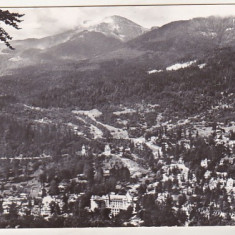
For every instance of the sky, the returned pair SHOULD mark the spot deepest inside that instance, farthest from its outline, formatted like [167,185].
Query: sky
[41,22]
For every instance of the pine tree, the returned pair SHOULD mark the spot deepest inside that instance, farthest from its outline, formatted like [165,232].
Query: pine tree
[10,19]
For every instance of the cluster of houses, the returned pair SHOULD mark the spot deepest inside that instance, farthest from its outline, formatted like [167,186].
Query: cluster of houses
[39,206]
[21,202]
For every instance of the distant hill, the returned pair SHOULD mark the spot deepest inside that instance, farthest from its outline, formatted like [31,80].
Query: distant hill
[188,39]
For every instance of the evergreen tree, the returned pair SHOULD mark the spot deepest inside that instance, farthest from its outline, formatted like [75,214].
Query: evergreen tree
[10,19]
[54,190]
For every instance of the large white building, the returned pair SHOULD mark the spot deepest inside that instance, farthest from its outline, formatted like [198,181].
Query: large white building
[112,201]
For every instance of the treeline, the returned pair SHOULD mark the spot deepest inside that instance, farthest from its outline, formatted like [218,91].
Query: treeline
[29,139]
[185,91]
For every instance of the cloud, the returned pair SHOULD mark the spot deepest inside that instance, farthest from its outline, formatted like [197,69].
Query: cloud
[41,22]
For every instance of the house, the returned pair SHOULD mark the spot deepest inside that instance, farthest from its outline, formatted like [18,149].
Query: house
[207,174]
[83,152]
[35,191]
[204,163]
[106,173]
[112,201]
[62,187]
[107,150]
[73,198]
[36,210]
[46,210]
[229,185]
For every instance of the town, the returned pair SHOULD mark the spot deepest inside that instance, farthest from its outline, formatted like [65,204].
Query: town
[186,171]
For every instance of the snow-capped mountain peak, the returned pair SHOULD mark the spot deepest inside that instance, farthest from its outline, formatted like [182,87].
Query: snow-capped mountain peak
[115,26]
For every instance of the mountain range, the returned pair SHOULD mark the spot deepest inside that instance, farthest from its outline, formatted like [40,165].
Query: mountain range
[116,37]
[87,40]
[111,52]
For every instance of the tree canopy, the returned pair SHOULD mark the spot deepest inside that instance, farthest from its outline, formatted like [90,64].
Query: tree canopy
[10,19]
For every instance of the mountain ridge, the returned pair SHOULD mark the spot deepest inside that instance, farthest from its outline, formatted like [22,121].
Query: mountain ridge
[178,41]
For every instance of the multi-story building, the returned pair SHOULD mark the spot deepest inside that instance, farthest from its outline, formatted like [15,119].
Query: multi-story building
[112,201]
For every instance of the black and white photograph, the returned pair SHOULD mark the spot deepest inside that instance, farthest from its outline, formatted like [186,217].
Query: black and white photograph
[117,116]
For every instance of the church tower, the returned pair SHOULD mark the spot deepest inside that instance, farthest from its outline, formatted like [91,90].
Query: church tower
[83,152]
